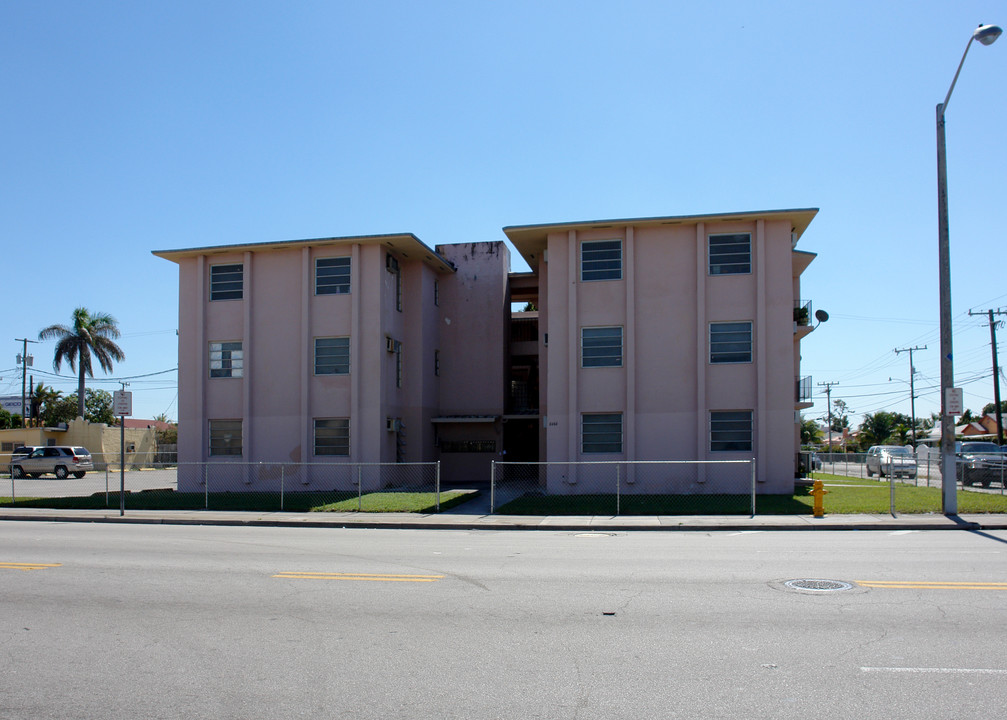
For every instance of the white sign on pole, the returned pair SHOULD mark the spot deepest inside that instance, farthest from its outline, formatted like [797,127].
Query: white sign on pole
[954,401]
[122,402]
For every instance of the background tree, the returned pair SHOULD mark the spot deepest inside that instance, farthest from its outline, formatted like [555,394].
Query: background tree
[840,418]
[97,409]
[990,408]
[877,428]
[90,334]
[809,432]
[8,421]
[42,396]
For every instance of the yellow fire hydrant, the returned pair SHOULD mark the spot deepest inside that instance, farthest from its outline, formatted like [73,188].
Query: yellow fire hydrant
[819,492]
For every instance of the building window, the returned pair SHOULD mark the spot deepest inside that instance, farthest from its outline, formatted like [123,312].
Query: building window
[601,433]
[437,293]
[731,342]
[226,360]
[332,356]
[730,254]
[226,282]
[332,436]
[225,437]
[332,276]
[731,431]
[601,260]
[7,447]
[437,363]
[601,347]
[392,266]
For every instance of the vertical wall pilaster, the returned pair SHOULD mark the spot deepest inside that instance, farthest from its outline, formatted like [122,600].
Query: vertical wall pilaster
[629,352]
[306,352]
[702,412]
[761,418]
[248,373]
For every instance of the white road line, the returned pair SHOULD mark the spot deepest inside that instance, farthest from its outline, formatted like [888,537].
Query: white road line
[935,671]
[902,532]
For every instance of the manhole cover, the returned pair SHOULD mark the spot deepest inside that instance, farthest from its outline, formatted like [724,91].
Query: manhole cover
[818,585]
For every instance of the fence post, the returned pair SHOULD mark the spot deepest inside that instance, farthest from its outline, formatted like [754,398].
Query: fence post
[360,496]
[282,468]
[437,486]
[618,477]
[753,487]
[12,498]
[206,486]
[493,478]
[891,482]
[106,485]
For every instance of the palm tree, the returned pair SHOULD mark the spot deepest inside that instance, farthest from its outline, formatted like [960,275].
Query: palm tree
[90,333]
[42,398]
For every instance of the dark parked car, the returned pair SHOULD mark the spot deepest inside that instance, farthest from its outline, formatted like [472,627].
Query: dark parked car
[980,462]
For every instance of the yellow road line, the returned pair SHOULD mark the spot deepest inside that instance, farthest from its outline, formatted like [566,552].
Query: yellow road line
[936,585]
[28,566]
[371,577]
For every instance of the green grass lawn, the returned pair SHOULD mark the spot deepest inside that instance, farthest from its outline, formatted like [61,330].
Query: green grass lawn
[845,496]
[405,502]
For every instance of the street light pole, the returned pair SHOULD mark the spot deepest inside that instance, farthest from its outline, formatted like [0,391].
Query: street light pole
[986,35]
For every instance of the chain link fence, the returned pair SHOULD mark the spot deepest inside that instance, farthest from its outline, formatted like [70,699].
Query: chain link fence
[165,484]
[970,475]
[678,487]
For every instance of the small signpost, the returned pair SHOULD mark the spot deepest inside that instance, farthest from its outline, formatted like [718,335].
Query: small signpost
[954,398]
[122,405]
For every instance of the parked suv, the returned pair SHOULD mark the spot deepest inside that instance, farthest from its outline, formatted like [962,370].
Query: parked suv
[980,462]
[896,459]
[19,453]
[60,461]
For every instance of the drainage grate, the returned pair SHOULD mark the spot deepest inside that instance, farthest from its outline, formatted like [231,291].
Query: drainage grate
[818,585]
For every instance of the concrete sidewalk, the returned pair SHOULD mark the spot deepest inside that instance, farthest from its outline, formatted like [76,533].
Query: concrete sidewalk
[461,521]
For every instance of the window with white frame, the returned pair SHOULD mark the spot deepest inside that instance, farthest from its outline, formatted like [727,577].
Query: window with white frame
[601,433]
[226,360]
[601,260]
[730,254]
[332,356]
[332,436]
[731,431]
[601,347]
[225,437]
[227,282]
[731,342]
[332,276]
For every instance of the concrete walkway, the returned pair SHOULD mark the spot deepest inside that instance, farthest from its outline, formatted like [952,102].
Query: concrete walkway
[470,521]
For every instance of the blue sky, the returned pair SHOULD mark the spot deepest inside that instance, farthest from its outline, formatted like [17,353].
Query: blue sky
[132,127]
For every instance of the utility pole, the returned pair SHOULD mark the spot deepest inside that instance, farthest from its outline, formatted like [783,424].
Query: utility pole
[912,386]
[828,396]
[25,361]
[996,368]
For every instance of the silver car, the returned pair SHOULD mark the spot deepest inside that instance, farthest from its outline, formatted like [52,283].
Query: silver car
[60,461]
[894,459]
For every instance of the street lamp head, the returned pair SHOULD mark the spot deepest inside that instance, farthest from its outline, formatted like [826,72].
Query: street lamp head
[986,34]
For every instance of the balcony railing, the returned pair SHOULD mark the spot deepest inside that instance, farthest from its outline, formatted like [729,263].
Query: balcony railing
[803,393]
[802,313]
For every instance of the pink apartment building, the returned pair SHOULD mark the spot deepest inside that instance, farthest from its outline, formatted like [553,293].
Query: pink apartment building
[671,338]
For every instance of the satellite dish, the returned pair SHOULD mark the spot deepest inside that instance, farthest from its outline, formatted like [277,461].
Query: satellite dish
[821,316]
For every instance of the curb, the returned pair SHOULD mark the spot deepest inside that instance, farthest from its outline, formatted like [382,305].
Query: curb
[536,523]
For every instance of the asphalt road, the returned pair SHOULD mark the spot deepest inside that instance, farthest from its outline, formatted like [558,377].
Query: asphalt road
[230,622]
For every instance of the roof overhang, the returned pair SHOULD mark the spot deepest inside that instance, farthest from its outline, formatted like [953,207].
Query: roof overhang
[405,245]
[801,260]
[530,240]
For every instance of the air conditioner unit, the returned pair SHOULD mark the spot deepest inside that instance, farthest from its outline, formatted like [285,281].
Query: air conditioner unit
[391,264]
[389,345]
[392,424]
